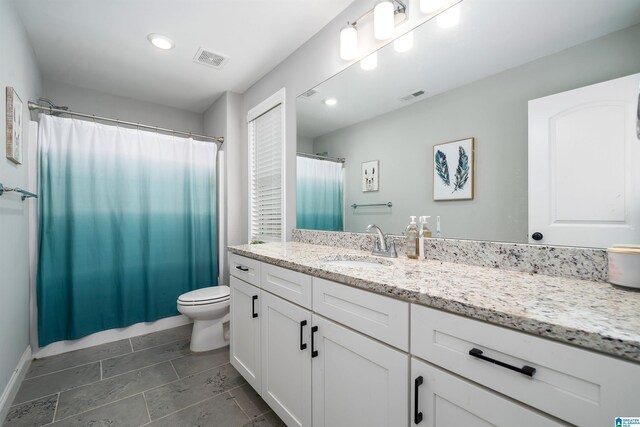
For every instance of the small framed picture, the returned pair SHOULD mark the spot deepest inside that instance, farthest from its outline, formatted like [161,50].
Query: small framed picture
[453,170]
[14,126]
[370,176]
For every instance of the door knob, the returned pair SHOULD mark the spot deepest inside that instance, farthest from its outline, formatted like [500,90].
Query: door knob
[537,236]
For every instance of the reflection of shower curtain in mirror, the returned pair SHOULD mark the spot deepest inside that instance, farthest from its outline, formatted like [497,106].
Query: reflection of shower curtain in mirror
[127,224]
[320,195]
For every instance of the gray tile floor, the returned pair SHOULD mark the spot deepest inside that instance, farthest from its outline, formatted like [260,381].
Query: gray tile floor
[149,380]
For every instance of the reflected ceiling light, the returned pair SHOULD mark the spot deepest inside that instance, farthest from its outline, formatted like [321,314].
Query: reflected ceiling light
[386,14]
[450,17]
[404,43]
[160,41]
[369,62]
[348,42]
[430,6]
[330,101]
[383,20]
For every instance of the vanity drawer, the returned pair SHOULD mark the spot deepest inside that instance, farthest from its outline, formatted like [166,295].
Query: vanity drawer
[245,268]
[380,317]
[578,386]
[288,284]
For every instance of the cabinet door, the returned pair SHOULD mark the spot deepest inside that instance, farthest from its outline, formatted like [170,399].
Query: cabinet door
[447,400]
[245,331]
[357,381]
[286,359]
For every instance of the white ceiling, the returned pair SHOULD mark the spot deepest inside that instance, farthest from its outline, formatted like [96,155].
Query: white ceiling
[492,36]
[102,44]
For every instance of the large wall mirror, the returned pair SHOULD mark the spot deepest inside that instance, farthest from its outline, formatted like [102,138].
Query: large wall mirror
[518,124]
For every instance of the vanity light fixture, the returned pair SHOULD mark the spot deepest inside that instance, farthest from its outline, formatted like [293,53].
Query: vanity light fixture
[369,62]
[330,102]
[450,17]
[430,6]
[403,43]
[386,14]
[160,41]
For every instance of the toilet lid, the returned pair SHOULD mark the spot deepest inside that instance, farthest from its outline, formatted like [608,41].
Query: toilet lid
[209,294]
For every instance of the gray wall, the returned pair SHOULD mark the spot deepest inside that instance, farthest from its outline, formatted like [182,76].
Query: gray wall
[494,111]
[223,119]
[315,61]
[118,107]
[17,69]
[305,145]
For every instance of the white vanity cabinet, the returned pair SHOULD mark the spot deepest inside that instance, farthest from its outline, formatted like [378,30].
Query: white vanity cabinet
[286,359]
[441,399]
[245,331]
[356,381]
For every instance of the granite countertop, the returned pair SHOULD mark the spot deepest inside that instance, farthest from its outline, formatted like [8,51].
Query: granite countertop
[589,314]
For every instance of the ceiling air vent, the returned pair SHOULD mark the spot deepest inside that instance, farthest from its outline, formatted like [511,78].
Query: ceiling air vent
[309,93]
[210,59]
[412,96]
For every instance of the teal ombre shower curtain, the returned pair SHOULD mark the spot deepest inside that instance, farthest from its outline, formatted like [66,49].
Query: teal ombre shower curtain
[319,197]
[127,224]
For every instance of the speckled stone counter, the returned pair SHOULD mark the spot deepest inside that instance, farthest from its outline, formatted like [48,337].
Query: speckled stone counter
[589,314]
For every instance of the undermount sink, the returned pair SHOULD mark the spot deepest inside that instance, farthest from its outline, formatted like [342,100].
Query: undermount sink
[359,262]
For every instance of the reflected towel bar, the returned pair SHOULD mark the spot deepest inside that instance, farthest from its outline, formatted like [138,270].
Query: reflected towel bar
[388,204]
[25,194]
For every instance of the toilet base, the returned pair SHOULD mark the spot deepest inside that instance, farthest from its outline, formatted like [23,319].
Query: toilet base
[208,335]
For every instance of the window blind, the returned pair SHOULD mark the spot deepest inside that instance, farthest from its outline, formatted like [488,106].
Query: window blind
[265,134]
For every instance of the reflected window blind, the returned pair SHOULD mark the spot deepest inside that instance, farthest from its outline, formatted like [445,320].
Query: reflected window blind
[266,175]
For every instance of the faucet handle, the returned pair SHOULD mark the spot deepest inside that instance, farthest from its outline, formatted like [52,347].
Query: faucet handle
[392,250]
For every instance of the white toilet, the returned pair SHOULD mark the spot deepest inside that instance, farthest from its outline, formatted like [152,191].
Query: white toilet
[208,307]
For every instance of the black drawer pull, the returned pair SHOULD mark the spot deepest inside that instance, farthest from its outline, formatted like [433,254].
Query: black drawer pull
[525,370]
[314,352]
[303,345]
[417,415]
[242,268]
[253,306]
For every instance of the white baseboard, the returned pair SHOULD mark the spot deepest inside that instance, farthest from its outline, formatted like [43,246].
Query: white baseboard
[10,391]
[110,335]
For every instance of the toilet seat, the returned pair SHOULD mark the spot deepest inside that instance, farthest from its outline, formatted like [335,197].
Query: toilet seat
[205,296]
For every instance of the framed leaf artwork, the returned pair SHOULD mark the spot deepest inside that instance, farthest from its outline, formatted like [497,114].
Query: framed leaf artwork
[453,170]
[14,126]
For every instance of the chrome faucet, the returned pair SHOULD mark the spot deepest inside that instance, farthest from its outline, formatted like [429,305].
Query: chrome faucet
[380,248]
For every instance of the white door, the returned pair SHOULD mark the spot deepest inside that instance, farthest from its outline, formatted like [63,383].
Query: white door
[584,179]
[356,381]
[446,400]
[286,359]
[245,331]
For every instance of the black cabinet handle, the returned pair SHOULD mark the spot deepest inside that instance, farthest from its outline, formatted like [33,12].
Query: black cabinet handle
[525,370]
[417,415]
[537,236]
[314,352]
[253,306]
[303,345]
[242,268]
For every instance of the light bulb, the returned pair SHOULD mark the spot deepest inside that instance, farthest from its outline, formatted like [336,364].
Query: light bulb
[330,101]
[450,17]
[430,6]
[348,42]
[404,43]
[383,20]
[369,62]
[160,41]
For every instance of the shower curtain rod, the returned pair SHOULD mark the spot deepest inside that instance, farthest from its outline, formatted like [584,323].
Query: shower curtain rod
[34,106]
[317,156]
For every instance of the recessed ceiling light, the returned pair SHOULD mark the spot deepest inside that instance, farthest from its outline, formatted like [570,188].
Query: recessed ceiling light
[330,101]
[160,41]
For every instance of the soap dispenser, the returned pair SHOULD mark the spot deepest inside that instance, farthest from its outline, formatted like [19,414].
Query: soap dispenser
[411,240]
[424,232]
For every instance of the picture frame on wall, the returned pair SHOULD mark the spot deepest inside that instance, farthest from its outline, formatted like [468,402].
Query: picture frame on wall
[14,126]
[454,170]
[370,176]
